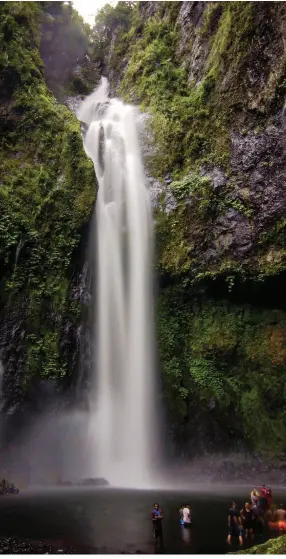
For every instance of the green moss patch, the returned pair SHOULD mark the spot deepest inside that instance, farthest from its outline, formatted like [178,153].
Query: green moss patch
[46,196]
[275,546]
[233,353]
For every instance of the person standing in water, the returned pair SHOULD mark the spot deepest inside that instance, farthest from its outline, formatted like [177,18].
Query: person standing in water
[185,522]
[257,510]
[266,502]
[181,515]
[247,519]
[234,524]
[263,500]
[269,500]
[254,496]
[157,517]
[279,520]
[187,516]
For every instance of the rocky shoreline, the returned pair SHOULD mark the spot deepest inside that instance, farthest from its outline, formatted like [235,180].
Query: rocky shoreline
[9,546]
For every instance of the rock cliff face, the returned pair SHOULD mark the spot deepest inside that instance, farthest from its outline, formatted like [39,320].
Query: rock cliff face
[46,197]
[211,76]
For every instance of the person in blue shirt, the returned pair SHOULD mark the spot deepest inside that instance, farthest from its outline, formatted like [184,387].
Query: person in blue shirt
[181,515]
[157,517]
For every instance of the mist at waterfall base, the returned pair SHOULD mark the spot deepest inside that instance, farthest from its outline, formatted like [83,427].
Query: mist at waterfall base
[123,424]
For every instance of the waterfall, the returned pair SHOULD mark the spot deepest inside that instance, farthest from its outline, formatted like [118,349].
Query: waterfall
[123,419]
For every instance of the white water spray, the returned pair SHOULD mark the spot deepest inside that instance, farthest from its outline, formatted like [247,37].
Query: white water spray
[123,419]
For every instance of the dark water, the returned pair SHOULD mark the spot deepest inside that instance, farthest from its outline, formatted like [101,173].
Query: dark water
[118,521]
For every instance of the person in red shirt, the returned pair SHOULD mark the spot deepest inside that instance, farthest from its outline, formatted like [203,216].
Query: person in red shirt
[269,496]
[266,499]
[263,498]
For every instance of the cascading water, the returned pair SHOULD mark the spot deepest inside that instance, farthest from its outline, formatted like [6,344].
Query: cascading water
[123,419]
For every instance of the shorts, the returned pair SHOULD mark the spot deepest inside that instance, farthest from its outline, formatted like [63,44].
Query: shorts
[158,533]
[235,531]
[187,524]
[248,525]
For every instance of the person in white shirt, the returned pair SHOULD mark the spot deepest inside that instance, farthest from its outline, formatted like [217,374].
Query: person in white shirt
[187,516]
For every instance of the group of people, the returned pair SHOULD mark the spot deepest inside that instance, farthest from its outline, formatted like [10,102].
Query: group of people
[7,488]
[157,517]
[242,524]
[260,509]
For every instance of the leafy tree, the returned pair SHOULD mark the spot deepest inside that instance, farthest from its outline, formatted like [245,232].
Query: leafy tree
[110,19]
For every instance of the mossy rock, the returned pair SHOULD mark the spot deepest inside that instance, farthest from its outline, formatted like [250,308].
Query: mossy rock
[275,546]
[47,194]
[229,354]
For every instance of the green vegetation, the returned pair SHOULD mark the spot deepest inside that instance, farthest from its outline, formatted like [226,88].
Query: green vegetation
[47,193]
[193,109]
[156,78]
[192,114]
[110,20]
[234,353]
[184,235]
[176,248]
[275,546]
[276,234]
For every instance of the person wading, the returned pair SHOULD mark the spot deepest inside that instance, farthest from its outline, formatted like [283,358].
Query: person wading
[181,515]
[269,500]
[187,516]
[254,496]
[247,519]
[263,499]
[157,517]
[234,524]
[279,520]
